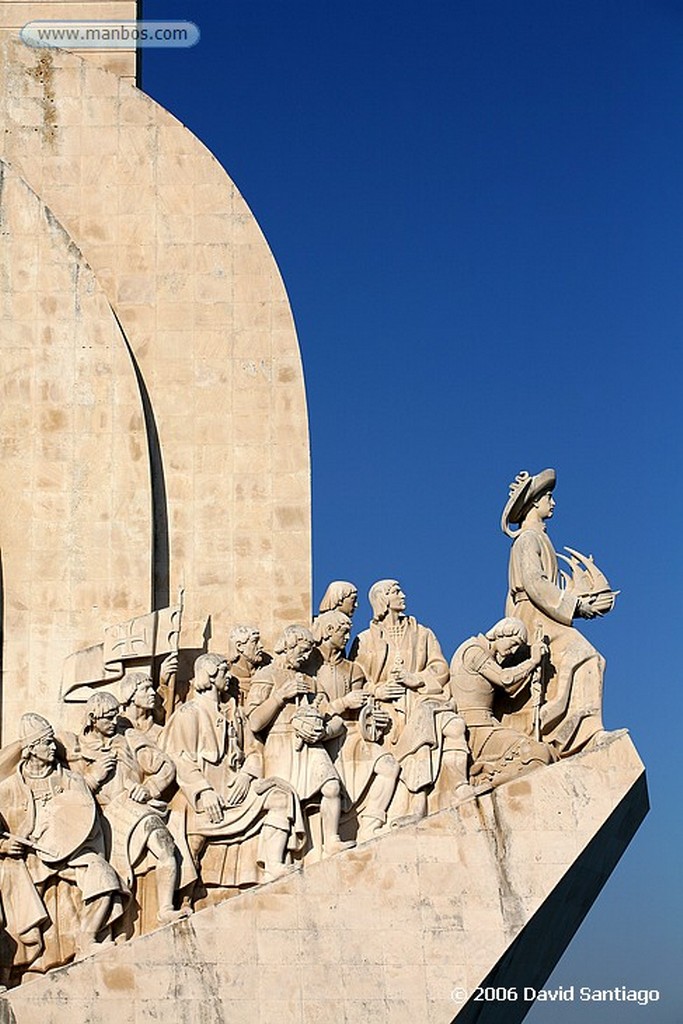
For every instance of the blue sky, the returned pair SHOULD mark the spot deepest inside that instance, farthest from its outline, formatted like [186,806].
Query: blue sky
[477,209]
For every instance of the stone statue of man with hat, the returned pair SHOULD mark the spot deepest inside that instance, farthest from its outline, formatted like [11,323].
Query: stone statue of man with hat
[51,841]
[571,712]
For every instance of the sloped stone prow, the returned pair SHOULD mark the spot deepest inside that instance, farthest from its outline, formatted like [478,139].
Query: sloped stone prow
[385,932]
[533,955]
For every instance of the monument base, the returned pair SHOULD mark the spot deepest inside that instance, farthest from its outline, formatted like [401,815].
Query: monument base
[402,929]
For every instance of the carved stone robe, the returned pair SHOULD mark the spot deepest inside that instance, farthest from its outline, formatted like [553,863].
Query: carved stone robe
[207,746]
[127,822]
[24,880]
[572,713]
[306,767]
[353,755]
[420,716]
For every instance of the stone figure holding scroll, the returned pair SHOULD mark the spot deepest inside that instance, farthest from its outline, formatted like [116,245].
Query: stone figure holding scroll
[369,771]
[51,845]
[408,675]
[225,798]
[129,776]
[295,723]
[480,667]
[571,714]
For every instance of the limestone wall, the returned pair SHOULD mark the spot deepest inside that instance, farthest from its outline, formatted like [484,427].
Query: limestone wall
[206,335]
[16,13]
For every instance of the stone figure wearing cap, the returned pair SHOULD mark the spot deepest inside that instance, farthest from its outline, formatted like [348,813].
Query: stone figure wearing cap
[408,675]
[481,667]
[51,842]
[571,714]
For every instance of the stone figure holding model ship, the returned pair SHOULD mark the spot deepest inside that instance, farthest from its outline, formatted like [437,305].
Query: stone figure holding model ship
[571,712]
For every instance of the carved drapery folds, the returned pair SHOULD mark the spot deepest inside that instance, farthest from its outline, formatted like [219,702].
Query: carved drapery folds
[258,763]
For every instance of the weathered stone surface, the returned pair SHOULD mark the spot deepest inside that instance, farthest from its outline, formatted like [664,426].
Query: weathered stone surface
[385,932]
[192,282]
[75,523]
[14,14]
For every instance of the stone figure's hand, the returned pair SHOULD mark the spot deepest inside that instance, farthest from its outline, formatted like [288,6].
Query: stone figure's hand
[311,730]
[381,718]
[412,682]
[210,804]
[12,848]
[101,769]
[590,606]
[169,667]
[603,603]
[355,699]
[293,688]
[392,690]
[538,651]
[584,609]
[238,789]
[140,794]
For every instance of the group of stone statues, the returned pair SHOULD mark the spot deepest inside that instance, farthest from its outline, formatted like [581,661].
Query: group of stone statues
[272,759]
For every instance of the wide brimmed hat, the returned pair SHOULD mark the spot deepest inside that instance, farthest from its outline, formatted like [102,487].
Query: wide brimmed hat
[524,490]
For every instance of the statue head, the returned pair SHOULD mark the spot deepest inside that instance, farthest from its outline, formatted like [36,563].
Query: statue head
[526,493]
[211,672]
[385,595]
[295,645]
[333,626]
[137,689]
[101,713]
[507,636]
[341,596]
[245,642]
[37,738]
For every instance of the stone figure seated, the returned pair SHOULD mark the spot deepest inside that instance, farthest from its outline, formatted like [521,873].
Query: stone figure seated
[296,724]
[369,772]
[130,777]
[60,896]
[224,797]
[572,712]
[481,666]
[408,676]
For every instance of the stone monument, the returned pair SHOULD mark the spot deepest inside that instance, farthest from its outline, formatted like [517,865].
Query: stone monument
[210,810]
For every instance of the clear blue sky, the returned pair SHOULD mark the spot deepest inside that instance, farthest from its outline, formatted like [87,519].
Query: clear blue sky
[477,208]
